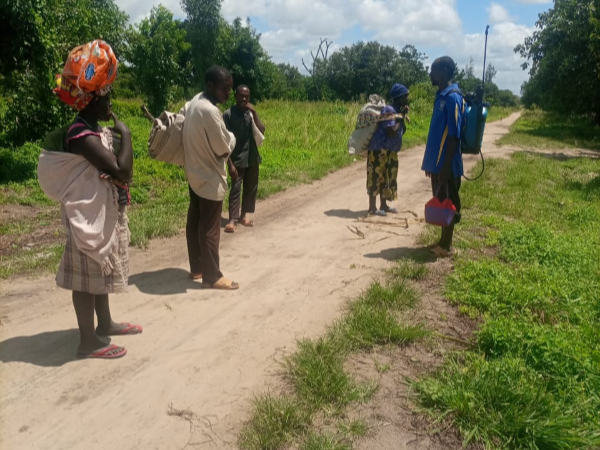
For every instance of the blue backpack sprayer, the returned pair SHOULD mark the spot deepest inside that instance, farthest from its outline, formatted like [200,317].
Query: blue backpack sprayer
[474,118]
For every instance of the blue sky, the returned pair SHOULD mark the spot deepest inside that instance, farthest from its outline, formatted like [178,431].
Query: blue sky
[291,28]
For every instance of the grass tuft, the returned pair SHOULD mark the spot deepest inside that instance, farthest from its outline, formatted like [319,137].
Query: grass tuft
[409,269]
[316,441]
[275,421]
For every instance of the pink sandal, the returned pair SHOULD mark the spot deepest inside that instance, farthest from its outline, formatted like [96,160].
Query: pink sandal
[104,353]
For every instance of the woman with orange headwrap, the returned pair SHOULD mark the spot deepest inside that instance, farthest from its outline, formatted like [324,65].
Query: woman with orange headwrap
[85,171]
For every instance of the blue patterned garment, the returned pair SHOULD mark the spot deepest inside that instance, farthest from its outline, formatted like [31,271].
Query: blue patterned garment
[381,140]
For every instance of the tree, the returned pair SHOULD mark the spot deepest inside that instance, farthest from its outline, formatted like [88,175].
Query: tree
[155,48]
[563,57]
[240,51]
[371,68]
[203,26]
[289,83]
[470,70]
[35,40]
[490,73]
[317,83]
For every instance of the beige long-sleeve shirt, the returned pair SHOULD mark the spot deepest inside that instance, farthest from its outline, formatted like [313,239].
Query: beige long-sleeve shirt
[207,145]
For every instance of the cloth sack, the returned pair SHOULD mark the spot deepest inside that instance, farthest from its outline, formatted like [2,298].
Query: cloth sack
[366,124]
[90,204]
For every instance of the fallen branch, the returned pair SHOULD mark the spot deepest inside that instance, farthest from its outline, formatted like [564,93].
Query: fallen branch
[146,113]
[453,339]
[356,231]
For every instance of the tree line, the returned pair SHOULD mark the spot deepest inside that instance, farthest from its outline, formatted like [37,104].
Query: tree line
[563,59]
[163,60]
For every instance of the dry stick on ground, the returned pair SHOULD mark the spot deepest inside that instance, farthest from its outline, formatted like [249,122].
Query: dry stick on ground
[453,339]
[186,415]
[356,231]
[407,222]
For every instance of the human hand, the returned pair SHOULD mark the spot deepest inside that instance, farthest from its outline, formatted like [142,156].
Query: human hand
[250,107]
[119,126]
[233,173]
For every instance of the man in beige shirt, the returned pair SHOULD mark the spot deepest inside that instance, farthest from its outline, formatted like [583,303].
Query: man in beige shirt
[207,145]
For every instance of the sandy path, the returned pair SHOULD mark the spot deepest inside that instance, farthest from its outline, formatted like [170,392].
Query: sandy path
[205,351]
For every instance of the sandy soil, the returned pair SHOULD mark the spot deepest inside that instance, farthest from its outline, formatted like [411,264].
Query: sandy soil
[203,351]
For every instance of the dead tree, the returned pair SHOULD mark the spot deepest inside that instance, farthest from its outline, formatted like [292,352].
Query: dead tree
[321,55]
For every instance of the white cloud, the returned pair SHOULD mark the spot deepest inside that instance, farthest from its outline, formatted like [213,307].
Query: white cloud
[499,14]
[138,9]
[502,40]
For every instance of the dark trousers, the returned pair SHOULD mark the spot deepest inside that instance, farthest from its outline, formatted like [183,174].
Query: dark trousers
[248,177]
[203,233]
[450,191]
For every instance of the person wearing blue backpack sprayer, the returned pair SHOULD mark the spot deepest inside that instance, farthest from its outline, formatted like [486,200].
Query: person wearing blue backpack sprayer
[442,161]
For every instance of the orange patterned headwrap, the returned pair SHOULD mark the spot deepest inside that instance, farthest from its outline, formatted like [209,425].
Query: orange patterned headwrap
[90,70]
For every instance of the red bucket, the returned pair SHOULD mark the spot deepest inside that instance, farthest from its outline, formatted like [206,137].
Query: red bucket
[440,213]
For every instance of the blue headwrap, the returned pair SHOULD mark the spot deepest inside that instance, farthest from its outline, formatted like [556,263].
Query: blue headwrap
[398,90]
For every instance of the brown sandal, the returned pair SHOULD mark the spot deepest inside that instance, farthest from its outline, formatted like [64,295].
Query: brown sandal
[223,284]
[196,276]
[230,228]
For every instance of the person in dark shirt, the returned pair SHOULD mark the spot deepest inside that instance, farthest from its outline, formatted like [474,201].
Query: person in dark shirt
[245,159]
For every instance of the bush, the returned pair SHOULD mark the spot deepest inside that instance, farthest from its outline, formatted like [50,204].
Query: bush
[19,164]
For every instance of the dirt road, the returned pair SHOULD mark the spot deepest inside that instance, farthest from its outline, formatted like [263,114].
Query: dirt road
[203,351]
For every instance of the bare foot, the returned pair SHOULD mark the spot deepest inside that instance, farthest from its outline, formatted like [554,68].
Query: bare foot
[230,227]
[246,222]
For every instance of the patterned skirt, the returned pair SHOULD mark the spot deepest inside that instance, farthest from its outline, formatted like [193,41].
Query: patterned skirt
[79,272]
[382,174]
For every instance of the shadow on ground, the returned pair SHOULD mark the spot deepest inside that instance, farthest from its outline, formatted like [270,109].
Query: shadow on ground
[421,254]
[346,213]
[167,281]
[48,349]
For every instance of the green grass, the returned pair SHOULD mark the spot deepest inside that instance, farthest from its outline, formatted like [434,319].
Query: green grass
[30,261]
[320,383]
[274,422]
[324,442]
[498,112]
[537,129]
[530,269]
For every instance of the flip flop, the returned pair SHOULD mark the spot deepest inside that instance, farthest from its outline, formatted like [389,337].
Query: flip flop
[391,210]
[230,228]
[103,353]
[379,212]
[223,284]
[196,276]
[130,329]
